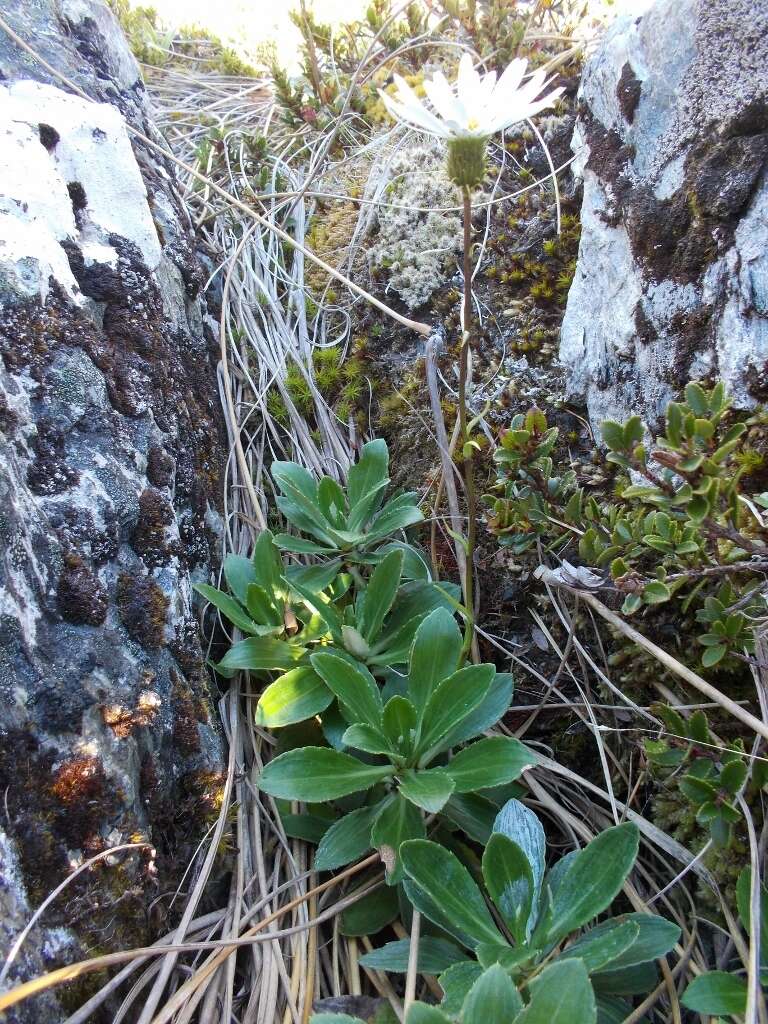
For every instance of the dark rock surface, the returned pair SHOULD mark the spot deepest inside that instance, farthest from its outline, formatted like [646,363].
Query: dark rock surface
[110,481]
[672,144]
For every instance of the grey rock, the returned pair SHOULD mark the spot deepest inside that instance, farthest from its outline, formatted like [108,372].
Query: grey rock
[672,275]
[110,481]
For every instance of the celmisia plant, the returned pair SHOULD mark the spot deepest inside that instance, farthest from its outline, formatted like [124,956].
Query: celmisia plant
[466,117]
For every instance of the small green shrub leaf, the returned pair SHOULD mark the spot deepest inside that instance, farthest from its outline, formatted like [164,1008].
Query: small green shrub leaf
[656,592]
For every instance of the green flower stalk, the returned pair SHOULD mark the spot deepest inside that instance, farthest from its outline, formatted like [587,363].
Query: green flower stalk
[466,118]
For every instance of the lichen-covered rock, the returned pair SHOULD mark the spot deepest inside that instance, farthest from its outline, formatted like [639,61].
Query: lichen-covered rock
[110,452]
[672,143]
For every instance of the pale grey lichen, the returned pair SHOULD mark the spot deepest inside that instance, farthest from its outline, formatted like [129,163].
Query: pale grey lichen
[416,240]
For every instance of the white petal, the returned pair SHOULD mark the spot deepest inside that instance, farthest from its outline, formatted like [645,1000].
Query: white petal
[518,102]
[415,115]
[488,84]
[511,77]
[468,86]
[444,100]
[533,86]
[405,93]
[521,111]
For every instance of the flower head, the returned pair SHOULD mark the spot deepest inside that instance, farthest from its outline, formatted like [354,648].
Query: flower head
[480,105]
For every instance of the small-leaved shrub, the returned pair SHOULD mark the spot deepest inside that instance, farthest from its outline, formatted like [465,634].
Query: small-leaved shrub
[683,528]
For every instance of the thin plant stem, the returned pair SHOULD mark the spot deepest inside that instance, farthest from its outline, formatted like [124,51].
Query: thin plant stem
[467,460]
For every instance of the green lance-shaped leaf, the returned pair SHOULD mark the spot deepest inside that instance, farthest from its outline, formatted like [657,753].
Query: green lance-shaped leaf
[423,1013]
[474,814]
[370,914]
[258,653]
[315,774]
[297,484]
[380,594]
[716,992]
[493,997]
[456,983]
[626,981]
[293,697]
[397,821]
[367,738]
[355,687]
[452,702]
[435,955]
[599,948]
[347,839]
[434,656]
[331,499]
[239,572]
[334,1018]
[487,713]
[366,481]
[398,513]
[399,723]
[314,578]
[593,879]
[262,606]
[509,880]
[491,762]
[655,938]
[302,546]
[267,562]
[227,606]
[448,884]
[518,823]
[561,994]
[428,789]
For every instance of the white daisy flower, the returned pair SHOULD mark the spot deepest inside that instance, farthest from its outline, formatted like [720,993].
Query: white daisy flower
[479,107]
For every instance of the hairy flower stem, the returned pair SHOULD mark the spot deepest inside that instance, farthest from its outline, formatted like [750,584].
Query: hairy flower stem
[468,466]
